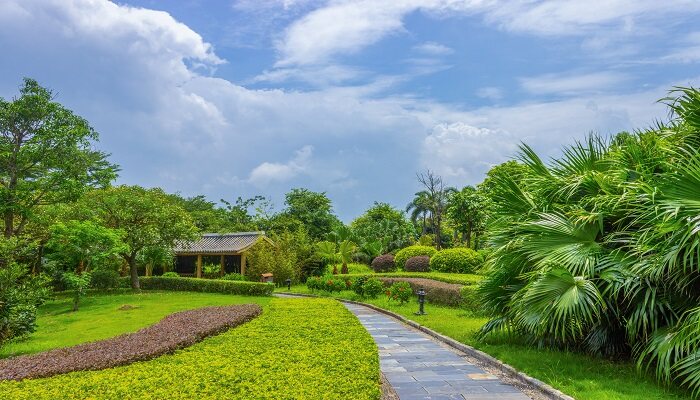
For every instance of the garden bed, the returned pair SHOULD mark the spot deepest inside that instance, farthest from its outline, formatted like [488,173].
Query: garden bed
[173,332]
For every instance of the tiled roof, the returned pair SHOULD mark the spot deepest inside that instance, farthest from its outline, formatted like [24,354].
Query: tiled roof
[219,243]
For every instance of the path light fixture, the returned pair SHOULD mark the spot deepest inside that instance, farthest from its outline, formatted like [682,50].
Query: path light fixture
[421,301]
[289,284]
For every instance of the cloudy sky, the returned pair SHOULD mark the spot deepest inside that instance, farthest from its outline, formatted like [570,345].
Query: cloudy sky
[237,98]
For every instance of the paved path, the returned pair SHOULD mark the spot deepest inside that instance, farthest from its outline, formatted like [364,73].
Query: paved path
[420,368]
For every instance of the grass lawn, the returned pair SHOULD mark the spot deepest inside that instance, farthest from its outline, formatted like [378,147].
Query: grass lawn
[578,375]
[99,317]
[297,349]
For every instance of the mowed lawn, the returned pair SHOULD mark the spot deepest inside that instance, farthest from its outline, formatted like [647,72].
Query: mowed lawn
[104,316]
[297,349]
[578,375]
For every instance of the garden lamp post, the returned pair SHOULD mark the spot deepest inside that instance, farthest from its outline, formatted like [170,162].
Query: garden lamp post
[289,284]
[421,301]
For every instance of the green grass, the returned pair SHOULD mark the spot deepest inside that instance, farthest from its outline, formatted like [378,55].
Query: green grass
[578,375]
[99,317]
[297,349]
[353,268]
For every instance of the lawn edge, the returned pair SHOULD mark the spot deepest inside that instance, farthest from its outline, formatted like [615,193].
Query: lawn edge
[485,358]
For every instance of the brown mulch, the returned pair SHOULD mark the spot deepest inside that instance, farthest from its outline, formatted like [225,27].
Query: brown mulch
[388,392]
[173,332]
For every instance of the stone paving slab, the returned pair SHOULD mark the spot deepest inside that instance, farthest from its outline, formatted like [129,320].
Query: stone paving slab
[421,369]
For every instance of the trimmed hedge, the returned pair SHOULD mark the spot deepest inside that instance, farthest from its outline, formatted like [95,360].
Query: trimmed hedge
[175,331]
[411,251]
[418,264]
[268,358]
[460,279]
[384,263]
[457,260]
[202,285]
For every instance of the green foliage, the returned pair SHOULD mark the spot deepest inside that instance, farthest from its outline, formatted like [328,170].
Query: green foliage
[358,285]
[211,271]
[384,263]
[426,240]
[170,274]
[156,256]
[315,363]
[372,288]
[313,210]
[330,283]
[233,277]
[104,279]
[46,156]
[346,250]
[278,259]
[400,291]
[598,251]
[412,251]
[457,260]
[84,245]
[382,228]
[417,264]
[20,295]
[467,211]
[460,279]
[204,285]
[78,284]
[148,217]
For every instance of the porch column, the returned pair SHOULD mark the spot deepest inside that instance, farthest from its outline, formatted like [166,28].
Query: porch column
[199,266]
[242,263]
[223,268]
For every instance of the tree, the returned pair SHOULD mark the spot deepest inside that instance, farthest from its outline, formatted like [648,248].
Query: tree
[46,156]
[467,212]
[82,244]
[148,218]
[419,207]
[152,257]
[437,195]
[313,209]
[346,250]
[384,224]
[326,251]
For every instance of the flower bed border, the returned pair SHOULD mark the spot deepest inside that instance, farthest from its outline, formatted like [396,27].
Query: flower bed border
[175,331]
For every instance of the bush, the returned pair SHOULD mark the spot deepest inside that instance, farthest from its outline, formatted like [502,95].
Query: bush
[458,260]
[202,285]
[278,260]
[170,274]
[328,283]
[211,271]
[78,284]
[358,283]
[418,264]
[411,251]
[104,279]
[446,294]
[400,291]
[20,295]
[372,288]
[233,277]
[384,263]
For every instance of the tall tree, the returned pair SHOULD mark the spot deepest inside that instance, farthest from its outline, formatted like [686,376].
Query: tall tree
[314,210]
[148,218]
[437,196]
[467,212]
[46,156]
[419,207]
[82,244]
[384,224]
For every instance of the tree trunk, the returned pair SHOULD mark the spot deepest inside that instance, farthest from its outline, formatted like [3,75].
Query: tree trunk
[438,232]
[335,269]
[134,272]
[344,270]
[9,218]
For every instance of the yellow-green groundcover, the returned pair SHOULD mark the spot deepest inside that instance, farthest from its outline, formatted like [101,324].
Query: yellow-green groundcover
[297,349]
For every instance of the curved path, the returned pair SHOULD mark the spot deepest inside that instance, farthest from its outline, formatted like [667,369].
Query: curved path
[420,368]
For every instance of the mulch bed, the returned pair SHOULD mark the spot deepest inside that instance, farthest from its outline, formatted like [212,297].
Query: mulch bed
[173,332]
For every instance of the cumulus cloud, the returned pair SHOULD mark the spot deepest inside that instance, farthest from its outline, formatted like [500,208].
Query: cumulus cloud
[268,172]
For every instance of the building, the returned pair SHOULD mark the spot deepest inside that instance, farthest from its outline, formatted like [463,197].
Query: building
[227,250]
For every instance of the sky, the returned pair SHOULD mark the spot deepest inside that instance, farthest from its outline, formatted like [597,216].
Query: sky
[352,98]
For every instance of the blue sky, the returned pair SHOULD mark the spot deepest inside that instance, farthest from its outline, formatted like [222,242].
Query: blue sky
[238,98]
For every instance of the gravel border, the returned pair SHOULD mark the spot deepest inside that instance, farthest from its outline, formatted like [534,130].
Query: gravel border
[175,331]
[537,388]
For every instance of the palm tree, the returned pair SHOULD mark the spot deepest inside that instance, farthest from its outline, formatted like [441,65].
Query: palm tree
[419,208]
[326,251]
[436,197]
[346,250]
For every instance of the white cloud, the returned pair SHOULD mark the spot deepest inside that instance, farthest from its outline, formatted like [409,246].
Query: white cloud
[268,172]
[433,49]
[573,84]
[490,92]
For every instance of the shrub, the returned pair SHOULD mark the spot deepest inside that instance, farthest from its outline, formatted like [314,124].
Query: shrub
[329,283]
[233,277]
[458,260]
[264,257]
[358,283]
[175,331]
[446,294]
[418,264]
[170,274]
[411,251]
[372,288]
[211,271]
[400,291]
[104,279]
[384,263]
[202,285]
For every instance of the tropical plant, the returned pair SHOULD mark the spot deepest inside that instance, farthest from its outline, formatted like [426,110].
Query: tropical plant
[436,196]
[599,251]
[346,250]
[326,250]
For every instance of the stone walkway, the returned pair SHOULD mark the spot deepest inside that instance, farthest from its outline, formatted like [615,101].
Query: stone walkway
[420,368]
